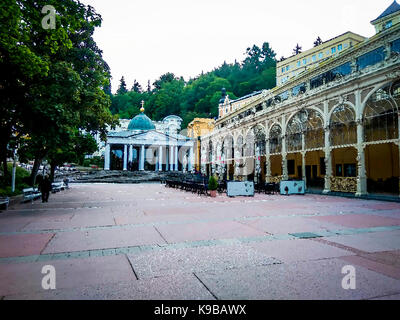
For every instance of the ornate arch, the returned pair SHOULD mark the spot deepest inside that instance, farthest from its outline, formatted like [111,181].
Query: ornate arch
[342,125]
[380,113]
[275,138]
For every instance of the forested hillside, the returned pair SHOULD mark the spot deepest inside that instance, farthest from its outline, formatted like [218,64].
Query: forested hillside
[199,96]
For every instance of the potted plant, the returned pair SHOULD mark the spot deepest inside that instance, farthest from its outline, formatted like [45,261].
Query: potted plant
[213,186]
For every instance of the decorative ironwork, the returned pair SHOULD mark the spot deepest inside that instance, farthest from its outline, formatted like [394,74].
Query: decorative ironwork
[344,184]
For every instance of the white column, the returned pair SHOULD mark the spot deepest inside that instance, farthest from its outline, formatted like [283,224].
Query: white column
[268,162]
[141,164]
[328,162]
[176,158]
[125,157]
[285,175]
[190,164]
[130,153]
[171,158]
[107,157]
[362,173]
[160,158]
[303,159]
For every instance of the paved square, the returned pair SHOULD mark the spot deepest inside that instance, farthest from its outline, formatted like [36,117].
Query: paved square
[147,241]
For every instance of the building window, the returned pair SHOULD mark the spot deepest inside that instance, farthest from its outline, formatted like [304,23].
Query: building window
[333,50]
[321,55]
[283,70]
[388,24]
[304,61]
[345,45]
[299,63]
[314,58]
[371,58]
[287,68]
[340,47]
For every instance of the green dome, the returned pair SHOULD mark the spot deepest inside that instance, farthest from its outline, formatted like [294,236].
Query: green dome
[141,122]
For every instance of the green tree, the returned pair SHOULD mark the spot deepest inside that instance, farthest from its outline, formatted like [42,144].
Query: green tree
[122,86]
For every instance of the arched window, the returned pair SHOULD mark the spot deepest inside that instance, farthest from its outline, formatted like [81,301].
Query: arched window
[240,146]
[249,145]
[210,151]
[275,139]
[343,127]
[380,119]
[314,135]
[229,148]
[260,140]
[296,127]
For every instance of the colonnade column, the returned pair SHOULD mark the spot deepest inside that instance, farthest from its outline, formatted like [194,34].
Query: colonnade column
[125,157]
[285,175]
[190,160]
[176,158]
[141,163]
[267,162]
[171,158]
[160,158]
[303,159]
[130,153]
[328,162]
[361,172]
[107,157]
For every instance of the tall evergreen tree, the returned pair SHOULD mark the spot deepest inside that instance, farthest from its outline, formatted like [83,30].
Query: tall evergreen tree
[136,87]
[122,86]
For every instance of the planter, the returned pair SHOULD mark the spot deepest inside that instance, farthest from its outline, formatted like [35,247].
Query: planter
[213,193]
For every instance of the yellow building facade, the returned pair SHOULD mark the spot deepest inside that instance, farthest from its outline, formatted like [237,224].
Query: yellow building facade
[195,130]
[312,58]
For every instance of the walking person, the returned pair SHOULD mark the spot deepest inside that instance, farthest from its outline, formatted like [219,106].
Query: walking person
[45,188]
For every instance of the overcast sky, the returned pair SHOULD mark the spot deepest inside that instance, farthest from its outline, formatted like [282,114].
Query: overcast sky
[143,39]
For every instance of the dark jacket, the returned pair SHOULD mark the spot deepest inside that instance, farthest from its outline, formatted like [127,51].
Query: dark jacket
[45,185]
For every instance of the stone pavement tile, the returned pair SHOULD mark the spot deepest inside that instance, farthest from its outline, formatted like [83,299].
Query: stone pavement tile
[13,224]
[360,220]
[391,297]
[312,280]
[20,278]
[103,239]
[290,251]
[23,244]
[174,210]
[390,258]
[283,225]
[370,242]
[79,220]
[378,267]
[207,231]
[145,219]
[188,260]
[181,287]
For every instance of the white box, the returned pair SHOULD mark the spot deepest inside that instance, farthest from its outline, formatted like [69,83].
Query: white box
[237,188]
[294,187]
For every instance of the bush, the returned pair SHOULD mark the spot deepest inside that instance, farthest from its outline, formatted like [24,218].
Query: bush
[21,182]
[212,184]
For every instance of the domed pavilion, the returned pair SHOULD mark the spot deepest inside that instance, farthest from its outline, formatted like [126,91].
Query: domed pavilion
[149,145]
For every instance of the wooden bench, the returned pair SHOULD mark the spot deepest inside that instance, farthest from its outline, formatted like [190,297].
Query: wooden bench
[4,201]
[31,194]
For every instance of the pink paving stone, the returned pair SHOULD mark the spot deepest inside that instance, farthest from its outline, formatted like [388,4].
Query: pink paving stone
[283,225]
[290,251]
[360,220]
[103,239]
[23,244]
[19,278]
[207,231]
[381,268]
